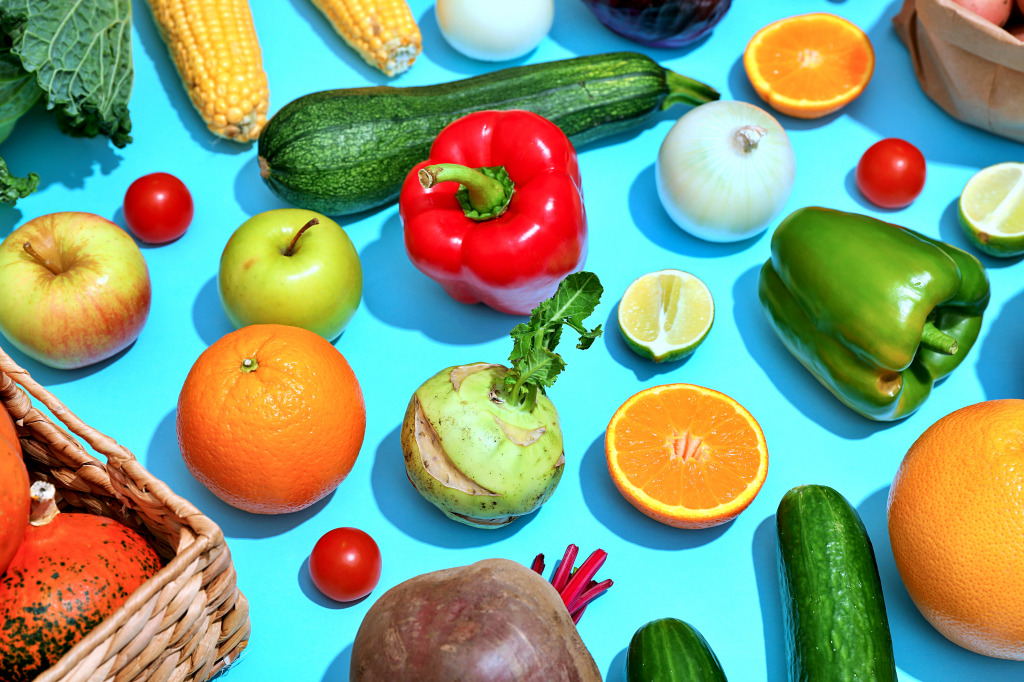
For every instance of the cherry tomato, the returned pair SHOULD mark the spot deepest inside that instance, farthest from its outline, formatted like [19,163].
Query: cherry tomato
[345,564]
[891,173]
[158,208]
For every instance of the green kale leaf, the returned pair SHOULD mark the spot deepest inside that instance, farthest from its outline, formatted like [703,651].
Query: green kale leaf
[74,54]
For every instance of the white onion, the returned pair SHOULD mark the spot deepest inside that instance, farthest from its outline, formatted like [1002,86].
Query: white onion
[724,170]
[494,30]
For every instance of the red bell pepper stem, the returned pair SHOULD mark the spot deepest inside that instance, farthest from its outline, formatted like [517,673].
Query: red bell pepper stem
[486,195]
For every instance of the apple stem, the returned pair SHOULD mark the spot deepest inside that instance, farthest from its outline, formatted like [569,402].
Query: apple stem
[295,240]
[39,259]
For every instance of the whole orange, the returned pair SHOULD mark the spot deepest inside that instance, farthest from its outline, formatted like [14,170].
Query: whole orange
[956,523]
[270,418]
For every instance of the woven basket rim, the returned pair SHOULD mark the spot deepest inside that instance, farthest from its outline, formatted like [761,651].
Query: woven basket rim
[127,482]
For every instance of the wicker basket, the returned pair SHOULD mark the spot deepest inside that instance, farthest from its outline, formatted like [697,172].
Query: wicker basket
[189,621]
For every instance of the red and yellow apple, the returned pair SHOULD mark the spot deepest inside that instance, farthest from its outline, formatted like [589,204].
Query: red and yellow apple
[74,289]
[291,266]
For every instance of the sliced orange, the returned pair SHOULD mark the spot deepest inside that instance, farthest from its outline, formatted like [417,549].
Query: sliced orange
[809,65]
[686,455]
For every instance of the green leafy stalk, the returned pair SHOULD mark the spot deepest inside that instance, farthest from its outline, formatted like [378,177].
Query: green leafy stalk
[535,364]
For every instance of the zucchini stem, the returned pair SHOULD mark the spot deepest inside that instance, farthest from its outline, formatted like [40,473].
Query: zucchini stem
[685,90]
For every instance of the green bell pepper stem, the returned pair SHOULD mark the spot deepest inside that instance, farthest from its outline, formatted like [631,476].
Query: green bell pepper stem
[937,341]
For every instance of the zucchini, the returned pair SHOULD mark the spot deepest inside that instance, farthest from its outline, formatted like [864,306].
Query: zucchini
[832,605]
[670,650]
[343,151]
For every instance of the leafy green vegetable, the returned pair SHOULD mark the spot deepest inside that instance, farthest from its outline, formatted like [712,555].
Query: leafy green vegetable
[13,188]
[74,54]
[535,364]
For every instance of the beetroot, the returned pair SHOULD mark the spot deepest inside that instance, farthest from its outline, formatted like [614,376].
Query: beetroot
[494,621]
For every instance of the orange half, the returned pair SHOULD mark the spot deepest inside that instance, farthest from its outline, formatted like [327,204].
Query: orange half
[685,455]
[809,65]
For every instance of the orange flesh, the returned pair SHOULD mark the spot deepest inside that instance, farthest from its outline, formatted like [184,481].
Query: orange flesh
[687,449]
[812,60]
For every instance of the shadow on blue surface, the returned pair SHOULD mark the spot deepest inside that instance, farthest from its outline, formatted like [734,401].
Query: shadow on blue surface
[163,460]
[612,510]
[252,194]
[407,510]
[339,668]
[651,219]
[643,368]
[617,668]
[1005,378]
[741,89]
[38,146]
[388,275]
[10,218]
[919,648]
[767,576]
[49,376]
[316,596]
[208,315]
[792,380]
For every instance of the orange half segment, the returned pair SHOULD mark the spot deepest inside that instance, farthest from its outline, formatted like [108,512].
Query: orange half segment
[809,65]
[685,455]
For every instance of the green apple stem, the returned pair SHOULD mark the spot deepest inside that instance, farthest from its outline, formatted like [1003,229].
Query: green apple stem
[295,240]
[40,259]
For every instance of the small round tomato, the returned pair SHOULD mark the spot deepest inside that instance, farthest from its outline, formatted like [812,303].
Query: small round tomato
[891,173]
[158,208]
[345,564]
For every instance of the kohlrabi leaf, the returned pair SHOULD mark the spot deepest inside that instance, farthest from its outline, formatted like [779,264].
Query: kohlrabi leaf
[535,365]
[13,188]
[80,52]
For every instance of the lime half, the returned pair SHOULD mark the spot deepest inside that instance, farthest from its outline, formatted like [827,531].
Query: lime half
[992,209]
[665,315]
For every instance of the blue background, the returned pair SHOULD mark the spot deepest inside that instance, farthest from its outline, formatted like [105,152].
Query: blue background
[721,580]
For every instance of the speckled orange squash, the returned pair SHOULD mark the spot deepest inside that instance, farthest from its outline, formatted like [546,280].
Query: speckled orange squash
[67,576]
[14,497]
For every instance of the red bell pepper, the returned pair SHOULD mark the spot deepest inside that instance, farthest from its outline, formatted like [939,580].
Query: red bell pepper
[496,215]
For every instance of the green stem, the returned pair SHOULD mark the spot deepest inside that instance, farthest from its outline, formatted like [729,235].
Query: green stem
[685,90]
[935,340]
[486,196]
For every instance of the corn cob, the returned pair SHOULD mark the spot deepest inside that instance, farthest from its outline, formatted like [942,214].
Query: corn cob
[383,32]
[213,44]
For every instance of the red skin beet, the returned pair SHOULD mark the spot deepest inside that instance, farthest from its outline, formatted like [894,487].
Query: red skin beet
[494,620]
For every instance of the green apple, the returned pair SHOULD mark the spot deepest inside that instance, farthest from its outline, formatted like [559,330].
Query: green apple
[291,266]
[75,289]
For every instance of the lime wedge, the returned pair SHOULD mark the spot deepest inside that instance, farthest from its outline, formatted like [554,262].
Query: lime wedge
[665,315]
[992,209]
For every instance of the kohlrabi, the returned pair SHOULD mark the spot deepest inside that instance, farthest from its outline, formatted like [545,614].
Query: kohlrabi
[482,442]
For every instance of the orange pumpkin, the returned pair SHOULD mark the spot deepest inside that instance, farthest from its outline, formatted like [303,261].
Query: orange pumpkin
[14,497]
[68,575]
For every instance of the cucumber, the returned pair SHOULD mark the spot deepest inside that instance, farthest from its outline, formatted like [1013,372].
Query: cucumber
[670,650]
[832,605]
[343,151]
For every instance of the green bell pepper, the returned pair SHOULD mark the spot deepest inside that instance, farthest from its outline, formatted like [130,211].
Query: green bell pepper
[877,312]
